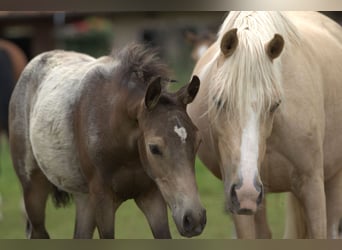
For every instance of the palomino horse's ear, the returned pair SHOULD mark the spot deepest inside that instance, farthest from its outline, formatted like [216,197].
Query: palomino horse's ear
[153,93]
[189,92]
[229,42]
[275,46]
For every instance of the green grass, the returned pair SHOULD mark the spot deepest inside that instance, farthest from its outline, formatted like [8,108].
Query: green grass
[130,222]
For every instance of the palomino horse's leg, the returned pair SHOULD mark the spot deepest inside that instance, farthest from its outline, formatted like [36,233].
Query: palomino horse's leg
[310,191]
[262,228]
[295,227]
[153,206]
[36,192]
[85,217]
[333,189]
[244,226]
[251,227]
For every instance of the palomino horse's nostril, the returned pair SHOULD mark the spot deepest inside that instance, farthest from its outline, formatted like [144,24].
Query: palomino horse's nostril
[233,196]
[260,196]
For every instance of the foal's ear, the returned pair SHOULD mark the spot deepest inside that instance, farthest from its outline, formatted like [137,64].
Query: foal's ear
[153,93]
[229,42]
[275,46]
[189,92]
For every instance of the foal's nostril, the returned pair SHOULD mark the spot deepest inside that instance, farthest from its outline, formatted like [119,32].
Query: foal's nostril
[204,218]
[187,222]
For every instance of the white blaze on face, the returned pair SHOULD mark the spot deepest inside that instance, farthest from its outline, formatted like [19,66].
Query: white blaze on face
[181,132]
[249,148]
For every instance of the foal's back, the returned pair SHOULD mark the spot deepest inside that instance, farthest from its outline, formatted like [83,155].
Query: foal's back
[50,84]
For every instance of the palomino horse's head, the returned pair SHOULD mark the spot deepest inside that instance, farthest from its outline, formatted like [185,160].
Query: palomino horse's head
[168,147]
[244,94]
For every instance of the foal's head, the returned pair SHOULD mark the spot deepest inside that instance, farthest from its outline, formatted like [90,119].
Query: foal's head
[168,146]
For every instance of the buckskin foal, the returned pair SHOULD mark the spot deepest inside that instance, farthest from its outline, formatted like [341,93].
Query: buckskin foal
[105,130]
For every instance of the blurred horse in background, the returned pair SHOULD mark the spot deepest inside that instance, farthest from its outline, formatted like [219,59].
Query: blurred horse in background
[12,63]
[200,42]
[270,114]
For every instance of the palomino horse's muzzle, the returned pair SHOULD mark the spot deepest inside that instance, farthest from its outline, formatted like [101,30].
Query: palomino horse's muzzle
[245,199]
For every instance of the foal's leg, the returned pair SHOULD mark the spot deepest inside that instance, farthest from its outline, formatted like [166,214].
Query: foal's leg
[36,192]
[333,189]
[35,185]
[102,199]
[85,217]
[152,204]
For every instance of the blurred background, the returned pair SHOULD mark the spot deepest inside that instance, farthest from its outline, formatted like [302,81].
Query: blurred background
[23,35]
[97,33]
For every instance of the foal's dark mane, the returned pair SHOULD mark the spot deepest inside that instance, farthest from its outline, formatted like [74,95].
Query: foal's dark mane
[142,61]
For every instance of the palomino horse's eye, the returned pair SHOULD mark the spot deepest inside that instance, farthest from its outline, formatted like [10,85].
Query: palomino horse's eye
[218,103]
[275,106]
[155,149]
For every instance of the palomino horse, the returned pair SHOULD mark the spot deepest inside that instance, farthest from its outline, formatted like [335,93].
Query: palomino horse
[270,115]
[105,130]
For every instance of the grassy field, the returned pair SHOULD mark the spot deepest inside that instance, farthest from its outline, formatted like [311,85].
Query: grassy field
[130,222]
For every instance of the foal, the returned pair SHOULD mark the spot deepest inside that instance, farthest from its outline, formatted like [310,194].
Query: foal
[105,130]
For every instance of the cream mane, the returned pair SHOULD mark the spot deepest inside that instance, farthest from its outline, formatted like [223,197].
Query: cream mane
[248,75]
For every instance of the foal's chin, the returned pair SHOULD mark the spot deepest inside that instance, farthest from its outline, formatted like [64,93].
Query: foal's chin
[190,234]
[194,232]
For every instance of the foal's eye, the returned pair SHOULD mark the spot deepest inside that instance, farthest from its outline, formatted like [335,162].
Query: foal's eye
[275,106]
[155,149]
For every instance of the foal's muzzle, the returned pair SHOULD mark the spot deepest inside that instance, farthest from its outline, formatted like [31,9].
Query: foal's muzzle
[193,223]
